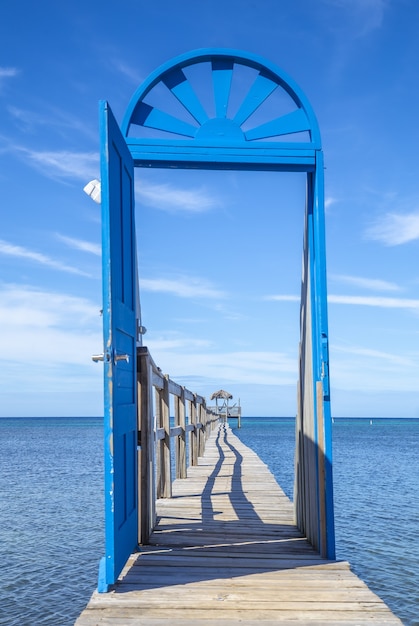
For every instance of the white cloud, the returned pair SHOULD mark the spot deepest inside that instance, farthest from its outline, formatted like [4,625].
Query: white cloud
[184,287]
[80,244]
[13,250]
[283,298]
[246,367]
[174,200]
[375,301]
[358,17]
[130,72]
[373,284]
[8,72]
[358,368]
[328,201]
[53,117]
[62,163]
[395,229]
[179,343]
[376,355]
[54,306]
[45,329]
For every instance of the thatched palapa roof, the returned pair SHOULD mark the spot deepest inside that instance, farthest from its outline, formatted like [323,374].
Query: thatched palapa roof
[225,395]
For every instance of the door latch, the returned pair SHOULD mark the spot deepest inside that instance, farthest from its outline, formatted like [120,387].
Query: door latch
[106,357]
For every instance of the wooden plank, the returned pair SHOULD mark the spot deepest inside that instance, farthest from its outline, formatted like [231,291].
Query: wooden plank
[225,550]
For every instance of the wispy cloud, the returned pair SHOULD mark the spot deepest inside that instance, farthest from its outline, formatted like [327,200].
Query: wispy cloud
[128,71]
[183,287]
[329,201]
[51,117]
[359,17]
[174,200]
[379,355]
[372,284]
[8,72]
[13,250]
[246,367]
[355,367]
[375,301]
[283,298]
[24,304]
[42,328]
[348,23]
[80,244]
[173,341]
[395,228]
[62,163]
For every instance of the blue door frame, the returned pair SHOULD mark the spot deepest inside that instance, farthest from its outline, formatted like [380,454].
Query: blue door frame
[224,139]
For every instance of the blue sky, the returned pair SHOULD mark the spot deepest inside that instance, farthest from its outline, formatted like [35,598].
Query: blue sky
[219,252]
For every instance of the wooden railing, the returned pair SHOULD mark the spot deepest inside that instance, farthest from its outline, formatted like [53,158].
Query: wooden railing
[234,412]
[158,398]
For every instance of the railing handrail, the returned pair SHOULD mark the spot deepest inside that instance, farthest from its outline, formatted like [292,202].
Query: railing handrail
[193,423]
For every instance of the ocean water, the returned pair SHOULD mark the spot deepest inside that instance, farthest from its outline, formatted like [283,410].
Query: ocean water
[376,478]
[51,509]
[51,518]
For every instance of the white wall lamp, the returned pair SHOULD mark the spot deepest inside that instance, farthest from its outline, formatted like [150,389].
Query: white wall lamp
[93,190]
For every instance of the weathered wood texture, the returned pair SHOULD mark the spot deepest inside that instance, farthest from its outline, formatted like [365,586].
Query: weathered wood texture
[226,550]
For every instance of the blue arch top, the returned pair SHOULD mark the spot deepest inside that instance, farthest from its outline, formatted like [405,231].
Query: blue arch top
[219,100]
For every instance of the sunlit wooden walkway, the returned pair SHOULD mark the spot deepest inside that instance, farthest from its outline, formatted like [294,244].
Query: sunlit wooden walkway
[226,551]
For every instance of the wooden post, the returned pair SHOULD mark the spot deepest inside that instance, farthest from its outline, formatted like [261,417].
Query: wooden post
[180,420]
[147,465]
[165,458]
[158,444]
[201,440]
[208,423]
[194,434]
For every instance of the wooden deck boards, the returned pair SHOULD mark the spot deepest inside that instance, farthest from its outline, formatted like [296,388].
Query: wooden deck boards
[226,551]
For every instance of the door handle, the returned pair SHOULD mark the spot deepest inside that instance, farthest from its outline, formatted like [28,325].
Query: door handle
[121,357]
[117,357]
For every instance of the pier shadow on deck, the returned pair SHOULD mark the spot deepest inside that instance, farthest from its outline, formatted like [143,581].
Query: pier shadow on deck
[226,550]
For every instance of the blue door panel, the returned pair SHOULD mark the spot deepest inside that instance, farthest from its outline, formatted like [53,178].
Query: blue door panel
[120,370]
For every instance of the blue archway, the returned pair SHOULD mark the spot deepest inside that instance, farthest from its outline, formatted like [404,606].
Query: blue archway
[228,133]
[213,109]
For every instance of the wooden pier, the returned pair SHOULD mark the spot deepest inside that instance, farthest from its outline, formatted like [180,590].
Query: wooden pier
[226,550]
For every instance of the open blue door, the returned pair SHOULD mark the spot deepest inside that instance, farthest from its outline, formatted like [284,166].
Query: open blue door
[120,332]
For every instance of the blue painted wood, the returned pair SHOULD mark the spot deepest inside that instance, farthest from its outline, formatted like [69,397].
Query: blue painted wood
[295,122]
[119,330]
[236,156]
[223,63]
[178,84]
[237,141]
[322,338]
[222,75]
[261,89]
[151,117]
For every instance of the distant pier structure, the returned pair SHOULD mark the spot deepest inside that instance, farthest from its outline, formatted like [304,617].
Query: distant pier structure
[224,410]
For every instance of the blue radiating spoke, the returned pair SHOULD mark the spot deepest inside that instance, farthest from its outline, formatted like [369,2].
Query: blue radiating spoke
[258,92]
[294,122]
[145,115]
[222,73]
[181,88]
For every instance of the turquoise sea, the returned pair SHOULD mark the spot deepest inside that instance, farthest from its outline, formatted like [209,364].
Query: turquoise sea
[51,509]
